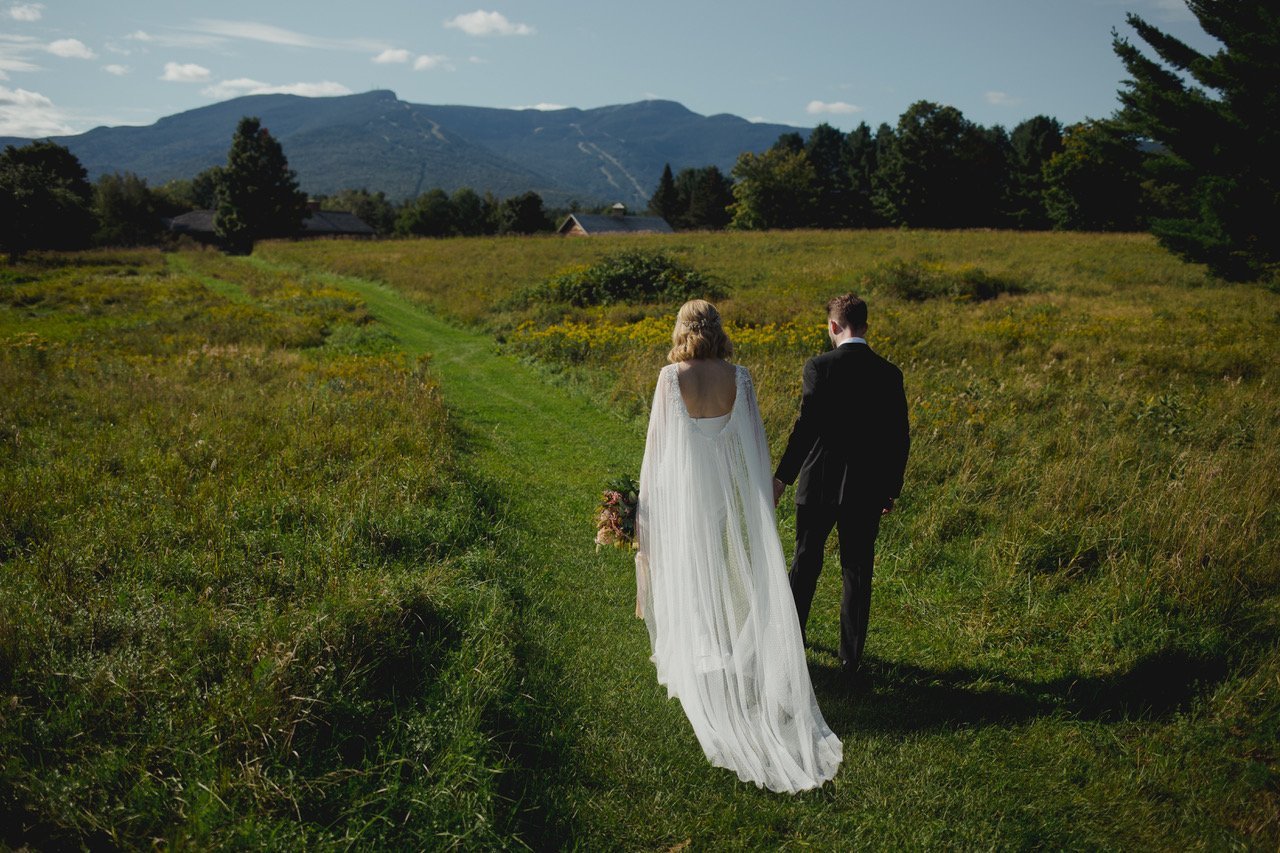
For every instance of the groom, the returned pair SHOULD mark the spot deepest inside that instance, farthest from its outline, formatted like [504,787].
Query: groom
[849,448]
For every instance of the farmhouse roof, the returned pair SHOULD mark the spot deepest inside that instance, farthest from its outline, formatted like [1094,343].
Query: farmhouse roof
[318,223]
[195,222]
[593,223]
[333,222]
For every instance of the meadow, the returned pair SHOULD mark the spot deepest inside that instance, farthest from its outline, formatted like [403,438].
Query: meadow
[248,590]
[271,577]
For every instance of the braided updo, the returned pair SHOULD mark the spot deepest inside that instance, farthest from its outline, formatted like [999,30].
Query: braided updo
[698,333]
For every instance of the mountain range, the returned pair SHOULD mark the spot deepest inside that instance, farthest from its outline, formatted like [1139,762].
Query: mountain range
[376,141]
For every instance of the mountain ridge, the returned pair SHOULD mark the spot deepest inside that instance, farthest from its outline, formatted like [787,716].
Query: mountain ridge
[376,141]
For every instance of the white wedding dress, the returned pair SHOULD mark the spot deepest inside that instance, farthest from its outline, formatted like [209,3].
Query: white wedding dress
[712,588]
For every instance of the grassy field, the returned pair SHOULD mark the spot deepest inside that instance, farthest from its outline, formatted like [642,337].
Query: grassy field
[249,597]
[1074,631]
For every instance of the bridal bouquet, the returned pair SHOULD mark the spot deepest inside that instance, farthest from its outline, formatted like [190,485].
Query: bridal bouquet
[616,517]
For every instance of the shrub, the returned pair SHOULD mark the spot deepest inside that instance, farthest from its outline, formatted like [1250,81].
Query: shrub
[630,276]
[916,281]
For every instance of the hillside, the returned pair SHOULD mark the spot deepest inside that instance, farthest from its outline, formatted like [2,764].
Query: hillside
[377,141]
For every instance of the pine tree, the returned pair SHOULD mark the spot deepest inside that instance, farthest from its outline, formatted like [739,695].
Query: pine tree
[705,198]
[860,163]
[825,150]
[258,194]
[1217,118]
[665,199]
[1034,142]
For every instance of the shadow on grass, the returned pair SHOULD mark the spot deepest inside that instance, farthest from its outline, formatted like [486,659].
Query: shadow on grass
[903,697]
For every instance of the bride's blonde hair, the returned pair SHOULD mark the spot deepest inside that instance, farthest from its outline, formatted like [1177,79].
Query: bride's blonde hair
[698,333]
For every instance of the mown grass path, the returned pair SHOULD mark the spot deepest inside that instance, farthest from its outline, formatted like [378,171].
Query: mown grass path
[550,451]
[932,758]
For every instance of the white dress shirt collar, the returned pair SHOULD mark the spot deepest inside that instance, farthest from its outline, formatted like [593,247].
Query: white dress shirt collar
[853,340]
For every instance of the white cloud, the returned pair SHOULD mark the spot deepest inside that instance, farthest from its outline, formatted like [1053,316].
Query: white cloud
[1172,10]
[26,11]
[176,39]
[482,23]
[254,31]
[391,55]
[70,49]
[29,114]
[118,70]
[247,86]
[544,107]
[185,73]
[430,62]
[834,108]
[477,60]
[1002,99]
[14,51]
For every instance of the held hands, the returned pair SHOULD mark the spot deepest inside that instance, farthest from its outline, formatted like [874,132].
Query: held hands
[888,507]
[778,488]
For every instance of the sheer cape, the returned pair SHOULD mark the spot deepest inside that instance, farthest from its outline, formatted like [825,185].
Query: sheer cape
[712,589]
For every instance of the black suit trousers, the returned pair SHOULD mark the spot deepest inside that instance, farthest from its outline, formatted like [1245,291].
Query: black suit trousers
[857,525]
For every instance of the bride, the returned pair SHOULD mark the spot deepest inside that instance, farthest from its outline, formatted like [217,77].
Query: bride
[710,581]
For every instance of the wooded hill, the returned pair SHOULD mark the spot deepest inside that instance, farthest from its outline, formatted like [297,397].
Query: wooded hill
[378,141]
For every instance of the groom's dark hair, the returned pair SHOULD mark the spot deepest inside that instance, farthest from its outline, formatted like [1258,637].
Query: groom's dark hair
[848,310]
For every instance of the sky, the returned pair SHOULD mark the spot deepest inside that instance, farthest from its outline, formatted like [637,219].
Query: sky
[70,65]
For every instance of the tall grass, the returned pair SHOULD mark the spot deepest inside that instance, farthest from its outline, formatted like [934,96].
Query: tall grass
[247,595]
[1090,528]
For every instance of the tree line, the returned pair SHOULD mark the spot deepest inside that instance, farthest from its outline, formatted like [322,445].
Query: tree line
[934,169]
[1190,155]
[47,202]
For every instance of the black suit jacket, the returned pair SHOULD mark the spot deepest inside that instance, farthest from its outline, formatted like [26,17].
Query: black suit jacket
[851,439]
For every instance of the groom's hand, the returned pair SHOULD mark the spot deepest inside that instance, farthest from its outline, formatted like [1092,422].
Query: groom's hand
[778,488]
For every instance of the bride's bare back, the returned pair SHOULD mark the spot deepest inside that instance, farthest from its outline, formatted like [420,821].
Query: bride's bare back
[708,386]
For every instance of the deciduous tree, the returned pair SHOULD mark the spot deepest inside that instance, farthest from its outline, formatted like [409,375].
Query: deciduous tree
[45,199]
[776,189]
[373,208]
[523,214]
[128,212]
[1094,182]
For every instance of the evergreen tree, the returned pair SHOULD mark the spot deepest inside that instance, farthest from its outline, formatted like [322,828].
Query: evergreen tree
[665,200]
[987,159]
[258,194]
[127,211]
[826,152]
[1033,143]
[710,197]
[45,199]
[1220,131]
[860,156]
